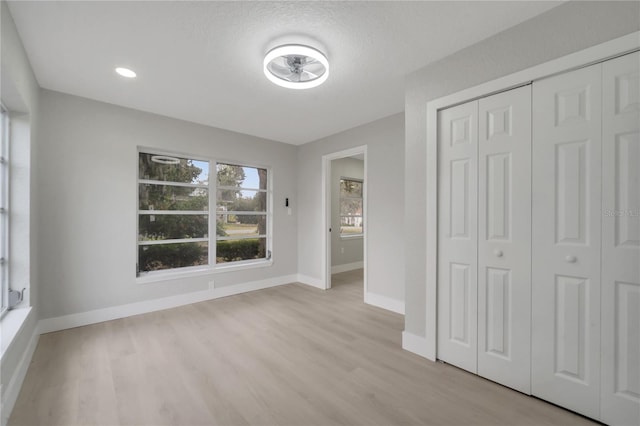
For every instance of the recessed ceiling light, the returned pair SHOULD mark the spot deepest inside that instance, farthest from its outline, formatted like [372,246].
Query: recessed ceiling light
[295,66]
[126,72]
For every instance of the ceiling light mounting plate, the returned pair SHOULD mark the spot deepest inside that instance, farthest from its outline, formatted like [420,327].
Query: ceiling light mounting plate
[296,66]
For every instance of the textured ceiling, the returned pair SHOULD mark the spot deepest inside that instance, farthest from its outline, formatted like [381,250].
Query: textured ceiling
[202,61]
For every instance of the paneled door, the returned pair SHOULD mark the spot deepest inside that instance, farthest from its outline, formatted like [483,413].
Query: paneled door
[621,241]
[457,236]
[566,226]
[504,238]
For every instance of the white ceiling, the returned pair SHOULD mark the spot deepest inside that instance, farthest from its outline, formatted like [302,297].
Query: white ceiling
[202,61]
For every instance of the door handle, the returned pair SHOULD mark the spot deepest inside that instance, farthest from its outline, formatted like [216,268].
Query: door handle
[498,253]
[571,259]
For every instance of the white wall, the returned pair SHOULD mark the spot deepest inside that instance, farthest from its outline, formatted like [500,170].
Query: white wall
[344,251]
[88,166]
[384,139]
[19,91]
[568,28]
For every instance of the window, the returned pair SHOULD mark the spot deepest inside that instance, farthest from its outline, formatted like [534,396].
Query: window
[175,196]
[351,218]
[173,212]
[4,211]
[241,213]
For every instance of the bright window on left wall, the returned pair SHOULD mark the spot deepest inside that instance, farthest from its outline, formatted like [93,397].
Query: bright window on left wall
[176,194]
[4,211]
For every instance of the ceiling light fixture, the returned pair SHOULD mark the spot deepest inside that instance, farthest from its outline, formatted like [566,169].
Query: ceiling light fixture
[126,72]
[164,159]
[295,66]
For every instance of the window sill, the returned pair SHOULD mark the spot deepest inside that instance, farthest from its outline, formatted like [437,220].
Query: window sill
[153,277]
[352,237]
[11,324]
[251,264]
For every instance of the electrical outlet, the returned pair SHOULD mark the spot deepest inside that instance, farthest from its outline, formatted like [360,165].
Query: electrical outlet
[212,285]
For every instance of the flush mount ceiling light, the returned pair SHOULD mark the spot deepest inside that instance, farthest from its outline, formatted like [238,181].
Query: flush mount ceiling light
[296,66]
[126,72]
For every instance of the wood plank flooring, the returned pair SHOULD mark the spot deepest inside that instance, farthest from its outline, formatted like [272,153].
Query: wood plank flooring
[289,355]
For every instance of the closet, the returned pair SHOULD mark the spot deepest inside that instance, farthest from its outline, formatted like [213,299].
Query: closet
[539,239]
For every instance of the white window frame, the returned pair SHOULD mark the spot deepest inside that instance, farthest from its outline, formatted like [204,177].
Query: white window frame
[241,213]
[4,211]
[340,215]
[172,212]
[212,187]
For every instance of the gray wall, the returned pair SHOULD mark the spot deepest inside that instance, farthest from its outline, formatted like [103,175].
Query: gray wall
[88,166]
[568,28]
[384,139]
[344,250]
[20,94]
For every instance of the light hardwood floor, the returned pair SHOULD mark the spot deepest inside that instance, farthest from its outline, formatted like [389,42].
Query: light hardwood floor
[289,355]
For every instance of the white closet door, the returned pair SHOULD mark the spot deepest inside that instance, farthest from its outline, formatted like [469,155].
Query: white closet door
[566,240]
[621,241]
[457,236]
[504,238]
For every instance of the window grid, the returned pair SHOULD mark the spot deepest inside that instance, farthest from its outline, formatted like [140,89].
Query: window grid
[243,237]
[169,238]
[4,211]
[351,224]
[237,218]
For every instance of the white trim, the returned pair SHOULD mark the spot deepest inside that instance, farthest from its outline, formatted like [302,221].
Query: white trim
[384,302]
[352,236]
[240,237]
[197,271]
[175,212]
[416,344]
[11,325]
[310,281]
[240,265]
[347,267]
[237,213]
[171,183]
[326,211]
[12,388]
[114,312]
[175,241]
[591,55]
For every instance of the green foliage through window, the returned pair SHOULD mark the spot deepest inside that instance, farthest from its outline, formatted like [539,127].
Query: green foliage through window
[241,212]
[169,184]
[174,199]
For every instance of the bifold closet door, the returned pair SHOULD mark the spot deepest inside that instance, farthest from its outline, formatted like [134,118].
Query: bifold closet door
[484,237]
[621,241]
[458,236]
[566,227]
[504,238]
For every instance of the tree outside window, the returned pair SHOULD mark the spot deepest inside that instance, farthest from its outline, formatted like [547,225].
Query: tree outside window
[351,212]
[173,213]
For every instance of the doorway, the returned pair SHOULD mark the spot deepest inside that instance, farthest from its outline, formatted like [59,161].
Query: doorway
[344,178]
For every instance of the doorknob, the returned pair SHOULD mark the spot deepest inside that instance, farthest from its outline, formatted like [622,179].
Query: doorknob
[571,259]
[498,253]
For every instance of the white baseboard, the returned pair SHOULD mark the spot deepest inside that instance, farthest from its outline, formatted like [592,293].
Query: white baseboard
[10,394]
[106,314]
[384,302]
[347,267]
[313,282]
[418,345]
